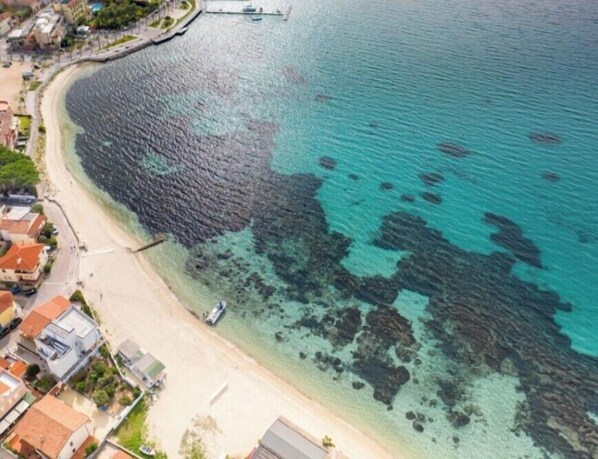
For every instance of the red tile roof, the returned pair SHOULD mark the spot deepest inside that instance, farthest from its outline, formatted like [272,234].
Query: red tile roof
[6,301]
[22,256]
[37,319]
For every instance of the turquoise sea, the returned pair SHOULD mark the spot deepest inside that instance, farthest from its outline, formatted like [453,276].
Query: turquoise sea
[398,200]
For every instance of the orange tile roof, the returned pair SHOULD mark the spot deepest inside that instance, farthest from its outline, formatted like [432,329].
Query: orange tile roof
[18,368]
[3,388]
[120,454]
[81,453]
[6,301]
[4,364]
[48,425]
[31,224]
[22,256]
[37,320]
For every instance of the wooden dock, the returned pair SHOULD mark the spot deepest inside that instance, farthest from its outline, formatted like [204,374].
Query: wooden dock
[247,13]
[157,240]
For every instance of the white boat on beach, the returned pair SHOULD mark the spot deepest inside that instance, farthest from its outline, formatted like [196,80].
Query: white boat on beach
[216,313]
[147,450]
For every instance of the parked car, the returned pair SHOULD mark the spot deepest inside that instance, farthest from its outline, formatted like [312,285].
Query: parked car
[55,231]
[14,323]
[30,292]
[16,289]
[4,332]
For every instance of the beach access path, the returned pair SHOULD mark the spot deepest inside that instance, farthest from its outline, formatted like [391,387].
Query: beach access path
[133,302]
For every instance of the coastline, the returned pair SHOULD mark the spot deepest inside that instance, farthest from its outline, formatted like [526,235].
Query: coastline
[198,360]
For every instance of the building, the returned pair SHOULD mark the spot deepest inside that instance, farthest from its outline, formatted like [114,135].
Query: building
[73,10]
[8,308]
[23,264]
[41,316]
[12,390]
[20,224]
[33,5]
[283,440]
[49,30]
[67,340]
[8,126]
[7,22]
[143,365]
[52,429]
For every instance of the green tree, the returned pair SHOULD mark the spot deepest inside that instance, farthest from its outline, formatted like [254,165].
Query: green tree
[90,449]
[37,208]
[32,371]
[100,397]
[17,171]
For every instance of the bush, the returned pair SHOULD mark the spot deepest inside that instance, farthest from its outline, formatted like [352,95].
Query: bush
[80,386]
[42,239]
[104,352]
[125,400]
[48,268]
[37,208]
[42,128]
[99,367]
[52,242]
[90,449]
[32,371]
[48,229]
[45,383]
[77,297]
[111,390]
[136,392]
[327,442]
[100,397]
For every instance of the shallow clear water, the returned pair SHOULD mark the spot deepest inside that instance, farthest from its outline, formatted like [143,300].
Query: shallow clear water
[256,146]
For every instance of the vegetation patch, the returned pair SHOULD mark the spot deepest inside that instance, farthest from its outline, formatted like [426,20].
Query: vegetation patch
[17,172]
[24,124]
[167,23]
[35,85]
[101,381]
[120,13]
[120,41]
[132,433]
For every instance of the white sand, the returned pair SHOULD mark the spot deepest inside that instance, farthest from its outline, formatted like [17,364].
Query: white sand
[11,83]
[137,304]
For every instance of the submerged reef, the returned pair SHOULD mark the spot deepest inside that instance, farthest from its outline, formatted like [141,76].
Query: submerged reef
[322,98]
[452,149]
[432,198]
[484,314]
[386,186]
[510,236]
[431,178]
[546,138]
[551,177]
[327,163]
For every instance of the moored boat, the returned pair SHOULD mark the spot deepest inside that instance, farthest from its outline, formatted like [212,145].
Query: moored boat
[256,18]
[216,313]
[148,451]
[249,9]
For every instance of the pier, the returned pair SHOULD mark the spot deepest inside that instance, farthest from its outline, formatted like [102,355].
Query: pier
[157,240]
[254,13]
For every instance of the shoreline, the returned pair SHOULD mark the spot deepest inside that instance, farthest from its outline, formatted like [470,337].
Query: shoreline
[255,396]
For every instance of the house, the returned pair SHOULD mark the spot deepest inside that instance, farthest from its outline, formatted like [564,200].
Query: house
[41,316]
[283,440]
[52,429]
[7,22]
[143,365]
[20,224]
[49,30]
[8,308]
[67,340]
[23,263]
[33,5]
[8,126]
[73,10]
[12,390]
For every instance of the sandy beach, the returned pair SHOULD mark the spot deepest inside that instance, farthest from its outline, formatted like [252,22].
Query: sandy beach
[133,302]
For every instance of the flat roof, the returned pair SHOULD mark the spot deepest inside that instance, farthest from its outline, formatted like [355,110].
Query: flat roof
[150,365]
[74,319]
[17,213]
[9,380]
[283,440]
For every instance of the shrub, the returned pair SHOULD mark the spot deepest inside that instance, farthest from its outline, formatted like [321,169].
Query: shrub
[52,242]
[48,268]
[42,239]
[104,352]
[103,381]
[125,400]
[45,383]
[48,229]
[99,367]
[42,128]
[32,371]
[80,386]
[37,208]
[327,442]
[100,397]
[136,392]
[111,390]
[77,297]
[90,449]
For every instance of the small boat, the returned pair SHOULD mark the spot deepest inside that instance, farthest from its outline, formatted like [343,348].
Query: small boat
[216,313]
[249,9]
[256,18]
[148,451]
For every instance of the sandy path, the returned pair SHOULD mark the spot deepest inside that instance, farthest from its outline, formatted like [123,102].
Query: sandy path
[11,83]
[136,303]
